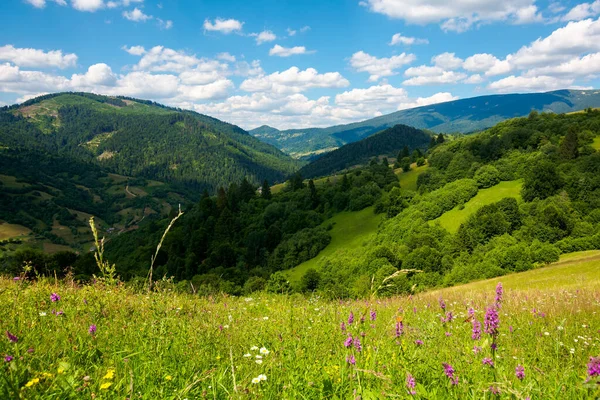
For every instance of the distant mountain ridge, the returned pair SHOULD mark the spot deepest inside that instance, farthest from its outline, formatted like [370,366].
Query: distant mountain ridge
[464,116]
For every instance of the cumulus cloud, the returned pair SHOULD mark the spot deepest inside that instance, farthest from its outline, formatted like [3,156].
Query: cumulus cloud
[447,61]
[379,95]
[264,36]
[294,80]
[136,15]
[406,40]
[487,63]
[226,57]
[26,57]
[97,74]
[441,97]
[168,24]
[225,26]
[88,5]
[457,15]
[134,50]
[281,51]
[42,3]
[379,67]
[540,83]
[427,75]
[578,67]
[583,11]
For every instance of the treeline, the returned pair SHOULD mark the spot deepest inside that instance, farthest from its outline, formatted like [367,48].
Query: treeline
[388,142]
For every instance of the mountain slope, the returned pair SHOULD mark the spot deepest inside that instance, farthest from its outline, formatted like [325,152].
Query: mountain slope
[141,138]
[465,116]
[388,142]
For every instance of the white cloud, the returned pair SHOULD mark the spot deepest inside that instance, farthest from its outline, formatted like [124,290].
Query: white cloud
[580,67]
[244,68]
[226,57]
[42,3]
[37,58]
[136,15]
[134,50]
[487,63]
[87,5]
[378,95]
[407,40]
[291,32]
[96,75]
[474,79]
[441,97]
[294,80]
[529,84]
[225,26]
[379,67]
[265,36]
[281,51]
[168,24]
[215,90]
[582,11]
[528,15]
[426,75]
[305,29]
[447,61]
[163,59]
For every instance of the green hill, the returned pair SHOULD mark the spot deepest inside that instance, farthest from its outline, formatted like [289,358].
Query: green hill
[141,138]
[388,142]
[464,116]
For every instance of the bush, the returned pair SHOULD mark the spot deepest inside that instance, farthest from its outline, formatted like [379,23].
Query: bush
[487,176]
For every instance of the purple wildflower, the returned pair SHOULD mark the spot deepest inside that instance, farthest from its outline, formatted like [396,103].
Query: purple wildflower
[494,390]
[476,349]
[351,318]
[17,278]
[476,335]
[350,359]
[348,342]
[448,370]
[419,342]
[510,328]
[442,304]
[8,358]
[54,297]
[357,344]
[410,384]
[92,329]
[373,315]
[491,321]
[58,313]
[11,337]
[494,346]
[399,328]
[471,311]
[520,372]
[454,380]
[499,293]
[414,310]
[488,361]
[594,366]
[343,326]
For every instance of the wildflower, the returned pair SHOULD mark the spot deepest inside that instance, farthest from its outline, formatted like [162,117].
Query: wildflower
[520,372]
[42,314]
[54,297]
[410,384]
[494,390]
[350,359]
[351,318]
[105,385]
[264,351]
[454,380]
[247,355]
[476,335]
[471,311]
[255,380]
[16,278]
[448,334]
[399,328]
[362,319]
[110,374]
[499,293]
[414,310]
[257,356]
[419,342]
[32,382]
[442,304]
[357,344]
[11,337]
[546,333]
[253,348]
[510,328]
[373,315]
[168,378]
[594,366]
[262,377]
[343,327]
[258,361]
[488,361]
[92,329]
[491,321]
[8,358]
[448,370]
[476,349]
[348,342]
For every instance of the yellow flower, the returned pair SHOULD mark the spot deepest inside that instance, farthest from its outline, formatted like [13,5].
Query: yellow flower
[47,375]
[105,386]
[110,374]
[61,370]
[32,382]
[218,358]
[169,377]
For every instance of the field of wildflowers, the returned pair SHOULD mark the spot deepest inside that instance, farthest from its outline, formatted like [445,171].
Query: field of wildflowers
[61,341]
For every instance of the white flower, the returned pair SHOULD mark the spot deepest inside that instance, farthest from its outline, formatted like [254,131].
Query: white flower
[247,355]
[259,357]
[546,333]
[265,318]
[262,377]
[255,380]
[253,348]
[42,314]
[259,361]
[575,340]
[248,299]
[225,326]
[572,351]
[264,351]
[230,318]
[560,328]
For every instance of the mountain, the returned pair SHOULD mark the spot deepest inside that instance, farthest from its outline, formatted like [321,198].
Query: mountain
[464,116]
[388,143]
[143,139]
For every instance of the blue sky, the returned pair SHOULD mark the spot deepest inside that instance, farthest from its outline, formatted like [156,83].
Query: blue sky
[296,64]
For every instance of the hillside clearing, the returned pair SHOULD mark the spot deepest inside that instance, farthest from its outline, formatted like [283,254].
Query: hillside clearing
[8,231]
[452,219]
[349,231]
[408,180]
[596,143]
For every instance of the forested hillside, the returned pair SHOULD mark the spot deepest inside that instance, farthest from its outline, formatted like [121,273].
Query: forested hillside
[143,139]
[463,116]
[389,143]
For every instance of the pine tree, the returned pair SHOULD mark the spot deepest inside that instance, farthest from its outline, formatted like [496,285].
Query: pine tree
[314,197]
[405,152]
[265,191]
[569,147]
[440,139]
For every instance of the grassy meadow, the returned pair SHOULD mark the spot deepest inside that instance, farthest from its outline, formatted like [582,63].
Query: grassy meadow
[454,218]
[63,341]
[408,180]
